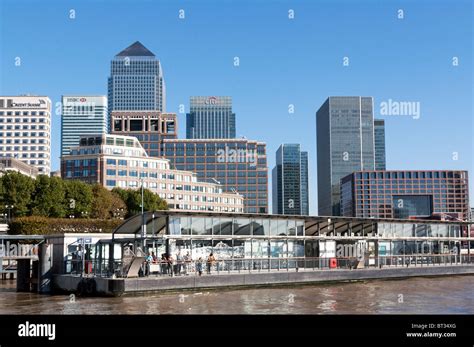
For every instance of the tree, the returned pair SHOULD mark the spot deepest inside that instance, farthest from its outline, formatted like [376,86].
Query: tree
[153,202]
[17,191]
[48,197]
[133,200]
[78,198]
[107,204]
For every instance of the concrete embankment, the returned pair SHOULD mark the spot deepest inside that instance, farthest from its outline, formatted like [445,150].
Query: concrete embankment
[117,287]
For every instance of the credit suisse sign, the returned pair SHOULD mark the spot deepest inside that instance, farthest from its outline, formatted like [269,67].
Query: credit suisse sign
[14,103]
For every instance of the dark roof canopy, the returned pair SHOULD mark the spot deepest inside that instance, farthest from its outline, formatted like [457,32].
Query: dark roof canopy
[156,221]
[136,50]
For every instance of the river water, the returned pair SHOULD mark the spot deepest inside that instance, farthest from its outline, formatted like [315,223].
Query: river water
[441,295]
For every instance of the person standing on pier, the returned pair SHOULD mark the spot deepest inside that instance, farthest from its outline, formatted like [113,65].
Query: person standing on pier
[187,260]
[179,262]
[169,259]
[199,266]
[210,263]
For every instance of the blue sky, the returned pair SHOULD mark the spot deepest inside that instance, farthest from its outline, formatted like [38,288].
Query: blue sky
[282,61]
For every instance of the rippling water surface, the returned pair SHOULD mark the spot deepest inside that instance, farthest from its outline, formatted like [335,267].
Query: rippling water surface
[441,295]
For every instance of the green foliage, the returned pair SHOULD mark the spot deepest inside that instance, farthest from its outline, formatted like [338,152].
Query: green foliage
[133,200]
[34,225]
[57,198]
[17,190]
[107,204]
[79,198]
[37,225]
[48,197]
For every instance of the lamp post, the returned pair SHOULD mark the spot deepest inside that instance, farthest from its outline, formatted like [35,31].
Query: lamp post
[143,219]
[9,208]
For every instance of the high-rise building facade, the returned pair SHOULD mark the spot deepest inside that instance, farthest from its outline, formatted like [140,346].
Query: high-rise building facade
[136,81]
[405,194]
[82,115]
[379,144]
[290,181]
[240,165]
[345,143]
[121,161]
[210,117]
[149,127]
[25,130]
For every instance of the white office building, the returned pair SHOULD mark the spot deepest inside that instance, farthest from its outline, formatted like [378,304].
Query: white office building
[25,130]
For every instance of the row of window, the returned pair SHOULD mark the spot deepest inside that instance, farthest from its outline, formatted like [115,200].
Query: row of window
[23,155]
[87,173]
[83,151]
[24,127]
[24,141]
[81,162]
[26,148]
[221,167]
[139,163]
[22,113]
[212,146]
[24,134]
[414,174]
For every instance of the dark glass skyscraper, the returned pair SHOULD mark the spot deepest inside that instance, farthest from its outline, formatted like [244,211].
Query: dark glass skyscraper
[379,143]
[136,81]
[345,143]
[210,117]
[290,181]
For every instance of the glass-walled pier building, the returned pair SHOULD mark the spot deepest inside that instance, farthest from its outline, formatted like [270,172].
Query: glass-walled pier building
[262,241]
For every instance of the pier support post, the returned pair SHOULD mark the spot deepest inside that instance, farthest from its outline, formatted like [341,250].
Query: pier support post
[45,266]
[23,275]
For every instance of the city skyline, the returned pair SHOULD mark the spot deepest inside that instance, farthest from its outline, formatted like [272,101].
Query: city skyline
[270,102]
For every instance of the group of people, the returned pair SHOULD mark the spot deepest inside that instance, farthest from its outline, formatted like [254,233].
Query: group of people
[181,264]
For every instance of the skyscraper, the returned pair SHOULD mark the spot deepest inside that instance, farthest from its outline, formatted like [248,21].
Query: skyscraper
[290,181]
[82,115]
[379,143]
[210,117]
[25,130]
[345,143]
[136,81]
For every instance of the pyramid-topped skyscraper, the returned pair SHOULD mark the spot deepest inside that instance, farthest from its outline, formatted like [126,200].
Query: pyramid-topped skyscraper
[136,81]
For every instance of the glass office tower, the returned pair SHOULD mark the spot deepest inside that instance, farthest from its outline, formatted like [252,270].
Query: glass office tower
[290,181]
[136,81]
[210,117]
[379,143]
[345,143]
[82,115]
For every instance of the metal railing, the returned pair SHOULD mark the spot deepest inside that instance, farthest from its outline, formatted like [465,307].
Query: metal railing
[105,268]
